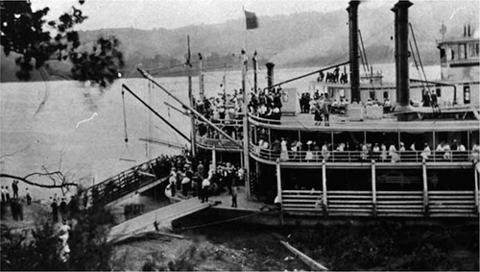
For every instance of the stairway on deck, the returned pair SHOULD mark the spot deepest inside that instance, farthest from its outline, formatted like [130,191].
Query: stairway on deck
[164,216]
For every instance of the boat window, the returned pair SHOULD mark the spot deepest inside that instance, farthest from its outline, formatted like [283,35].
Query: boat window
[462,51]
[472,50]
[448,51]
[466,94]
[453,49]
[443,57]
[439,92]
[385,95]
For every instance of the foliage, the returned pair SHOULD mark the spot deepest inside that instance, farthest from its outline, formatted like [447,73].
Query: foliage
[184,262]
[20,252]
[87,242]
[24,31]
[88,245]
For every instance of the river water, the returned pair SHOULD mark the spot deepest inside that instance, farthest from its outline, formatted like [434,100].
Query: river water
[54,138]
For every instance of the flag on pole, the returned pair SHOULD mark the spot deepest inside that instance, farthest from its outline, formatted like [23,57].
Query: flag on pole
[251,19]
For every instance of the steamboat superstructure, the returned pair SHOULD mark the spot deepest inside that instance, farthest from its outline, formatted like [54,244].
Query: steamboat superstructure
[408,149]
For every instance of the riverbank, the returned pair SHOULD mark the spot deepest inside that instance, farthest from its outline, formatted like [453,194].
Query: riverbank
[383,246]
[348,246]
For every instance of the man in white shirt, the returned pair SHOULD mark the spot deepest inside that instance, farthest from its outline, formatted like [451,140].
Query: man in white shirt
[205,190]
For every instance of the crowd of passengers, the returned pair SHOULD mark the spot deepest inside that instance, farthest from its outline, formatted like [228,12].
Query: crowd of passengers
[188,171]
[286,150]
[227,109]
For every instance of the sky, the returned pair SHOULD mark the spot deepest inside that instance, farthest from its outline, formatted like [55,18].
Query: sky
[171,14]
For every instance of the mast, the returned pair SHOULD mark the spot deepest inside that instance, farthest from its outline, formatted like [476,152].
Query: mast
[201,78]
[246,155]
[191,99]
[255,73]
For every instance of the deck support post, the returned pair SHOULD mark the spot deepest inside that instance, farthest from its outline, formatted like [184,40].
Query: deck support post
[475,168]
[279,190]
[214,159]
[324,187]
[425,188]
[374,189]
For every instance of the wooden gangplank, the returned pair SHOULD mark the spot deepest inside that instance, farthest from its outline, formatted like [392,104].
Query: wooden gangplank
[127,183]
[142,189]
[163,216]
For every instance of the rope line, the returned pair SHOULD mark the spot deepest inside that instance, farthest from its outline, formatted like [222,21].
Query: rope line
[222,221]
[124,117]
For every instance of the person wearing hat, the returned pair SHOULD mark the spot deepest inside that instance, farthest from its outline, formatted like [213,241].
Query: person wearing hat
[426,151]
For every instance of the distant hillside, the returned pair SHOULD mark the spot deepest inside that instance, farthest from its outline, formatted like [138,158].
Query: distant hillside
[303,39]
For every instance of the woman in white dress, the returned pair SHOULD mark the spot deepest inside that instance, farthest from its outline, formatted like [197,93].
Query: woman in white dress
[284,150]
[325,152]
[383,147]
[392,152]
[309,155]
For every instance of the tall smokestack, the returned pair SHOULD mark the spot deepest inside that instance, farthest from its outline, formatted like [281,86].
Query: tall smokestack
[354,68]
[270,66]
[401,54]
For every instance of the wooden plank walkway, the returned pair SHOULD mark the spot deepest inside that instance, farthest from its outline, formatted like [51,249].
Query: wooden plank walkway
[164,216]
[137,191]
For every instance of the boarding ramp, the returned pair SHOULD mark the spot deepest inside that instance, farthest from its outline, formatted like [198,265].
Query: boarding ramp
[162,216]
[127,183]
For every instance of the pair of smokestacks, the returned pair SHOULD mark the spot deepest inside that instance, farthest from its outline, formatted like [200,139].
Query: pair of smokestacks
[401,53]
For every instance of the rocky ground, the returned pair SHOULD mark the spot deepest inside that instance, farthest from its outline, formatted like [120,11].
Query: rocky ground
[378,246]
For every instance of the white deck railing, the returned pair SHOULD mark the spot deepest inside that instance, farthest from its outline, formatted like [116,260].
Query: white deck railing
[382,203]
[359,156]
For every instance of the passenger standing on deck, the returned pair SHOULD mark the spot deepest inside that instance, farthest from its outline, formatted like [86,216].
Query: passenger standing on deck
[326,111]
[185,185]
[426,99]
[173,182]
[201,169]
[325,151]
[392,152]
[426,152]
[205,190]
[475,152]
[412,147]
[317,115]
[309,155]
[402,147]
[284,150]
[383,155]
[234,195]
[460,147]
[434,100]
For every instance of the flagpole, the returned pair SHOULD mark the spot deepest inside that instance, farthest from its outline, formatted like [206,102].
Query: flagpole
[245,31]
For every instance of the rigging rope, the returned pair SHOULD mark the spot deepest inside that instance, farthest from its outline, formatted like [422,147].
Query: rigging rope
[124,117]
[418,54]
[416,64]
